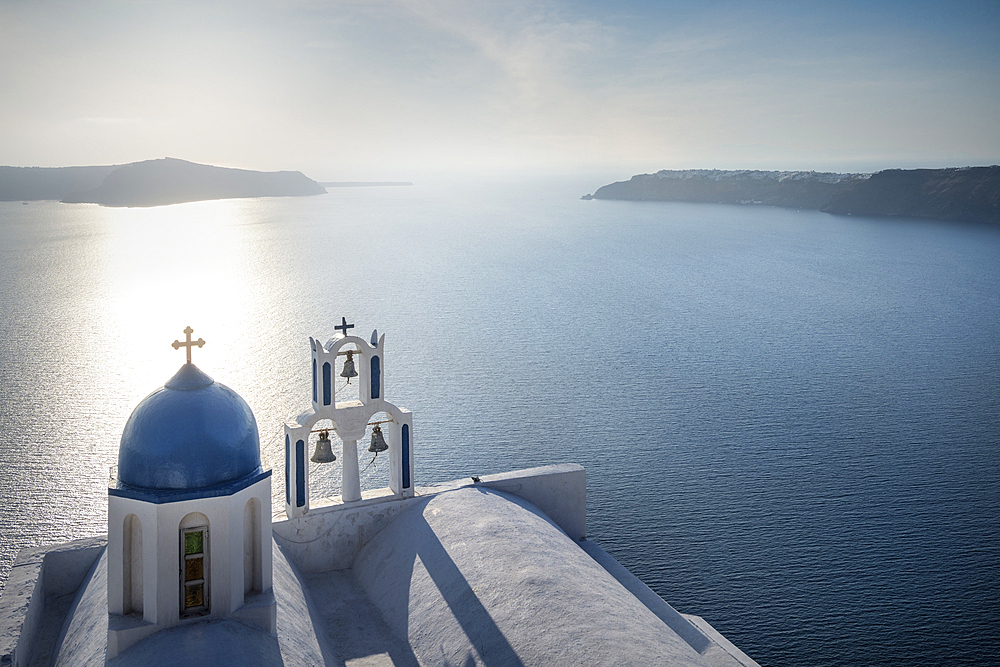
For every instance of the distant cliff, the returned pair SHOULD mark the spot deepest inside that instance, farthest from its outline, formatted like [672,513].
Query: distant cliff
[964,194]
[150,183]
[971,194]
[806,189]
[32,183]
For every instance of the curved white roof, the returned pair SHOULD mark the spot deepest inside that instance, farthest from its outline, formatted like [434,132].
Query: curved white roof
[477,576]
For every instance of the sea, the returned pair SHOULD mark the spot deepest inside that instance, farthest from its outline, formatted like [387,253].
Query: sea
[789,420]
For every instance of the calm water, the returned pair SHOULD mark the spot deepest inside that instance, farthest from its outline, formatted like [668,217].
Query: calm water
[789,420]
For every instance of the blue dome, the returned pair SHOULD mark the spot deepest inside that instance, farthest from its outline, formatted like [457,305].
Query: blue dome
[191,433]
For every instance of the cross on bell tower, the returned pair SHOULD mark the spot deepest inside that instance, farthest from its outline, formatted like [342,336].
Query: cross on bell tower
[190,343]
[343,326]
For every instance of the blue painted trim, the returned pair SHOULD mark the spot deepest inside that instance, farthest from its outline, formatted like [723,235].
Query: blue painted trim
[406,456]
[161,496]
[288,471]
[300,473]
[327,384]
[315,383]
[376,377]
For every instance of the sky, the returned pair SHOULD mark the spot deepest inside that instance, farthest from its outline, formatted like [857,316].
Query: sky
[393,89]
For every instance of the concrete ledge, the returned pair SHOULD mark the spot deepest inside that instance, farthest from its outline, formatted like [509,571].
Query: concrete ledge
[260,611]
[124,631]
[722,644]
[670,616]
[37,574]
[699,635]
[67,564]
[21,608]
[558,490]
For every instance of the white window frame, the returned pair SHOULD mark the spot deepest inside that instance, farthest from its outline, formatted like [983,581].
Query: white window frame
[187,612]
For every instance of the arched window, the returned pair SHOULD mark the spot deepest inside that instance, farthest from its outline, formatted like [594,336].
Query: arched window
[195,566]
[406,455]
[252,574]
[132,566]
[376,377]
[300,473]
[327,384]
[288,471]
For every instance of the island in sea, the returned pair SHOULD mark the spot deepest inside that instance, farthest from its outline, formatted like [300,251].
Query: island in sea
[965,194]
[149,183]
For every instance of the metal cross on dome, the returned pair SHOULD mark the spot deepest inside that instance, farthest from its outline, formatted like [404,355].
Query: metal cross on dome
[344,326]
[189,343]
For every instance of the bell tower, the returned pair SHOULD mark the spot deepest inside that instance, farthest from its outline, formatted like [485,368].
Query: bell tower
[362,364]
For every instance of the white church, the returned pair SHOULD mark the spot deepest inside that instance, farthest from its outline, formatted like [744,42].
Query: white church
[492,571]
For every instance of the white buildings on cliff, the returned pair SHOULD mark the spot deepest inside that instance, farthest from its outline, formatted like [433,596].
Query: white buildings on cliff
[493,571]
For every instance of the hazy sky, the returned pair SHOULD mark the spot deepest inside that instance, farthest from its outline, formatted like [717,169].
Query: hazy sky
[390,88]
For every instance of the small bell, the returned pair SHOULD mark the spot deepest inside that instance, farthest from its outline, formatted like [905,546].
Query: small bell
[349,371]
[378,442]
[324,452]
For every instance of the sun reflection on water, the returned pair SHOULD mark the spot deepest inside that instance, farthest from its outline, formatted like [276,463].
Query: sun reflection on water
[173,266]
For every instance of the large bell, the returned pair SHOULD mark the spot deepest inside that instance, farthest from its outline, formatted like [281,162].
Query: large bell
[378,442]
[349,371]
[324,452]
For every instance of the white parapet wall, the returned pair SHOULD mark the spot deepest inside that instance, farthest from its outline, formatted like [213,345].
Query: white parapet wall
[38,574]
[696,631]
[330,536]
[558,490]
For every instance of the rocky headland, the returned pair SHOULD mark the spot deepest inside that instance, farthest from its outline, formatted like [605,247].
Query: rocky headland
[37,183]
[150,183]
[967,194]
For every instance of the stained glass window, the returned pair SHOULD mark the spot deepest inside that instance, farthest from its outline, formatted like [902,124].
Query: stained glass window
[194,596]
[193,574]
[194,569]
[194,543]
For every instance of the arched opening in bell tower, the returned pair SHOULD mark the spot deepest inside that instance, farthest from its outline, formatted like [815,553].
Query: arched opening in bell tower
[252,574]
[323,452]
[348,378]
[132,566]
[374,460]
